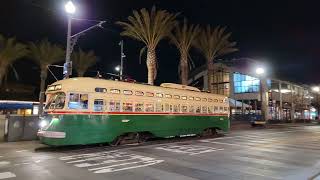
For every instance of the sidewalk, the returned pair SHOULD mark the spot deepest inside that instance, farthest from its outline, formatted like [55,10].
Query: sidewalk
[247,125]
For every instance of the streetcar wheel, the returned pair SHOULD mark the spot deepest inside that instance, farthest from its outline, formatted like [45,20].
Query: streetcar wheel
[116,141]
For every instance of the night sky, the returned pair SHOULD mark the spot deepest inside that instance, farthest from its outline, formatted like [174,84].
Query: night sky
[286,35]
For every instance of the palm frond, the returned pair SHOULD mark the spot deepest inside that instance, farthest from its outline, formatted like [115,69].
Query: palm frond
[148,27]
[81,61]
[45,53]
[214,42]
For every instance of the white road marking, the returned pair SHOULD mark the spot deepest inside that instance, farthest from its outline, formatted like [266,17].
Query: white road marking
[3,163]
[20,151]
[223,143]
[188,149]
[109,161]
[6,175]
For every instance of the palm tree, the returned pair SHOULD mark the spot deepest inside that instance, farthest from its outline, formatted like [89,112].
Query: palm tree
[212,43]
[10,50]
[183,37]
[149,28]
[82,61]
[44,54]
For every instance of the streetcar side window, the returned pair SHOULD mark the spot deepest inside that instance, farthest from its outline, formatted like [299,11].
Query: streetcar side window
[160,95]
[78,101]
[216,109]
[184,108]
[114,106]
[127,107]
[221,109]
[198,109]
[167,107]
[226,109]
[149,107]
[176,108]
[98,105]
[209,109]
[176,97]
[191,109]
[101,90]
[159,107]
[138,107]
[204,109]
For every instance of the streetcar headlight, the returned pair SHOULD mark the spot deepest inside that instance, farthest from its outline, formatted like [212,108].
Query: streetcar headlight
[43,123]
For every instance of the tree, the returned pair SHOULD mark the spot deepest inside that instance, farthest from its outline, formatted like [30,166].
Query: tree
[184,37]
[81,61]
[44,54]
[10,50]
[212,43]
[149,28]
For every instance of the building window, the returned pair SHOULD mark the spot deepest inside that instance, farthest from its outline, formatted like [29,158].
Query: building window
[138,107]
[127,107]
[245,84]
[98,105]
[127,92]
[101,90]
[114,106]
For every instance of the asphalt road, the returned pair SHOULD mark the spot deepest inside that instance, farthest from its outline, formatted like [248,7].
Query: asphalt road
[282,153]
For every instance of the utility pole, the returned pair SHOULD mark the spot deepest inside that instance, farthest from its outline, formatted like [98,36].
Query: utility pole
[122,55]
[67,71]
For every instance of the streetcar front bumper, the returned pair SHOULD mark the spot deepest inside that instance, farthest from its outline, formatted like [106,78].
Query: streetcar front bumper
[51,134]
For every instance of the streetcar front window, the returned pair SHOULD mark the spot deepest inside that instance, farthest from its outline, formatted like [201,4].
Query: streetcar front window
[56,101]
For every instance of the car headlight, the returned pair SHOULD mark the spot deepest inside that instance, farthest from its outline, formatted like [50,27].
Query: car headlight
[43,123]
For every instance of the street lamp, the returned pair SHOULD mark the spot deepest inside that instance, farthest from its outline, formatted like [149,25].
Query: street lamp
[260,71]
[316,89]
[117,68]
[70,9]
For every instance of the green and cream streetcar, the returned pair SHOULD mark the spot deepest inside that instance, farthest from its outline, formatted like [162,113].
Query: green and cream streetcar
[88,111]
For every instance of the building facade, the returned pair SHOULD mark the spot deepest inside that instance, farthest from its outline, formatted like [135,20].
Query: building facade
[283,100]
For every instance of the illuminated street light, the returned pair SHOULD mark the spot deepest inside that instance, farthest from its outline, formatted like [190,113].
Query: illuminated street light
[260,71]
[70,8]
[316,89]
[117,68]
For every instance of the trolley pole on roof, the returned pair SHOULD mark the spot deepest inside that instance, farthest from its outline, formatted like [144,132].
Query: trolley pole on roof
[122,55]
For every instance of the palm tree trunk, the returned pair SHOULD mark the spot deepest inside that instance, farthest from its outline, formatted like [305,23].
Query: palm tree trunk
[210,74]
[151,65]
[3,69]
[184,68]
[43,78]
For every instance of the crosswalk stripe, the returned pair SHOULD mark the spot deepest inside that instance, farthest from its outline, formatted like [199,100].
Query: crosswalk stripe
[6,175]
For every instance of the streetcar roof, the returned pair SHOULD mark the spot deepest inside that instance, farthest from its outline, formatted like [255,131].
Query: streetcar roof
[87,84]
